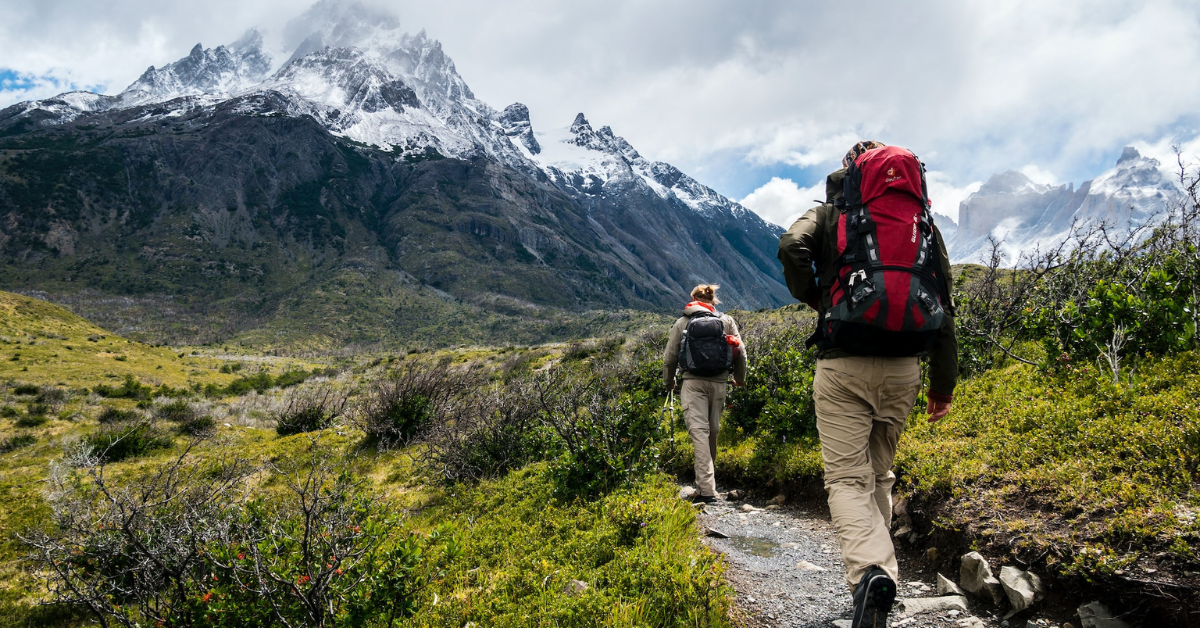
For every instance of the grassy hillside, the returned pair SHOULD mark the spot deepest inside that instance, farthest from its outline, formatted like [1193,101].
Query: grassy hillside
[43,343]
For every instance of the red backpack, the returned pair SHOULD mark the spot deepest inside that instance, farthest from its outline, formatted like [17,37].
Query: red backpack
[888,292]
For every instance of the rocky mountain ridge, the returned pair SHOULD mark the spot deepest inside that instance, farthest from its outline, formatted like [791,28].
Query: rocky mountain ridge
[222,182]
[1023,215]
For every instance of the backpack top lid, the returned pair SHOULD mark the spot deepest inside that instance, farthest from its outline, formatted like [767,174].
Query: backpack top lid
[889,169]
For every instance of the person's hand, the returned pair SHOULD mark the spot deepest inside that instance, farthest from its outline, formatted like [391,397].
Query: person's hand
[737,383]
[937,410]
[671,386]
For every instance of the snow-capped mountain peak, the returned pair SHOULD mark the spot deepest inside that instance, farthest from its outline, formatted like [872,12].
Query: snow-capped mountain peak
[216,71]
[1025,214]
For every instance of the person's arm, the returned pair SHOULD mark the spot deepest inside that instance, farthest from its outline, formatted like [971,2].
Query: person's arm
[671,355]
[740,359]
[799,249]
[943,355]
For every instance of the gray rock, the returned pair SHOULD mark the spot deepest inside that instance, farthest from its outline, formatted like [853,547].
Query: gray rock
[688,492]
[918,605]
[749,508]
[1023,588]
[946,586]
[576,587]
[843,623]
[778,500]
[976,577]
[900,508]
[714,533]
[735,495]
[970,622]
[1097,615]
[804,565]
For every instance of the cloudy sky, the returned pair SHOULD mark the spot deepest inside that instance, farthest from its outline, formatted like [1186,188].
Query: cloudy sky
[757,99]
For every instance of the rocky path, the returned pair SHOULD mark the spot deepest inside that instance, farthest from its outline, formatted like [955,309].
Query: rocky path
[784,564]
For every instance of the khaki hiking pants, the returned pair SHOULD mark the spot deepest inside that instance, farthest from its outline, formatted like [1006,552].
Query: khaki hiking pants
[862,404]
[703,402]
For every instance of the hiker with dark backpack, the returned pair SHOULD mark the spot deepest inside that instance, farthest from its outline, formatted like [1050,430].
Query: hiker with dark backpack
[873,265]
[705,348]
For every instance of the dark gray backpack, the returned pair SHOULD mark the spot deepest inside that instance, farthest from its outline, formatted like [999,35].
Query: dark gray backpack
[704,351]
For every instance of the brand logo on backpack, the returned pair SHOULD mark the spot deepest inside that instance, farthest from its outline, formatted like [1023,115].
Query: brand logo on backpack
[704,350]
[888,294]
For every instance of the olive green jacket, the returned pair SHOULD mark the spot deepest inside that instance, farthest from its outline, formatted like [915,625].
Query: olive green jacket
[808,251]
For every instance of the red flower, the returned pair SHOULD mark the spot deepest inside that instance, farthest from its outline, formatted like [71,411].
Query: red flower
[302,580]
[242,556]
[207,597]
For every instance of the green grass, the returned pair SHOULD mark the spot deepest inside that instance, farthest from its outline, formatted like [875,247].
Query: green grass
[637,550]
[42,342]
[1096,474]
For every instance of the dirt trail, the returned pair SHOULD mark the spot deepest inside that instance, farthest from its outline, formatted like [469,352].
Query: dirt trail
[785,566]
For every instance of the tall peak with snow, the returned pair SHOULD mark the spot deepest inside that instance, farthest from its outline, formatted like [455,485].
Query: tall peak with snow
[216,71]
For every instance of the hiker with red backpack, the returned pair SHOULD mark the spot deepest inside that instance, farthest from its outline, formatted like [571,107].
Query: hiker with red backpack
[873,265]
[705,348]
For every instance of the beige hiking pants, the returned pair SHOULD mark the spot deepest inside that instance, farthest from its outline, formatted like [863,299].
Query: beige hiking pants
[703,402]
[862,404]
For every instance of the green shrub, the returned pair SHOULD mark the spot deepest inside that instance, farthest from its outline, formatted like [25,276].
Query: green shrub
[9,412]
[26,389]
[178,411]
[18,441]
[111,414]
[406,401]
[776,401]
[197,426]
[129,389]
[32,420]
[609,435]
[310,410]
[113,443]
[491,431]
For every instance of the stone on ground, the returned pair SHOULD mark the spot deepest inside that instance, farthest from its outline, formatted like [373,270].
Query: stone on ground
[1023,588]
[843,623]
[804,565]
[688,492]
[970,622]
[778,500]
[714,533]
[1097,615]
[946,586]
[917,605]
[976,577]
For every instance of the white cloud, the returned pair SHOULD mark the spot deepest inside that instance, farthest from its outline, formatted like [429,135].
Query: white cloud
[1038,175]
[974,88]
[781,201]
[946,197]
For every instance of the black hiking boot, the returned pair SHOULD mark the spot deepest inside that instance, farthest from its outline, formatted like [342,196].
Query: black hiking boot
[873,599]
[704,499]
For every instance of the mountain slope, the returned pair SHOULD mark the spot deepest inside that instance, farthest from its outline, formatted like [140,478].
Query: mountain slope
[222,208]
[1023,214]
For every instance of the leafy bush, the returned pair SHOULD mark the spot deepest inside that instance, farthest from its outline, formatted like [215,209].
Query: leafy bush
[776,401]
[112,414]
[310,409]
[197,426]
[493,430]
[398,406]
[26,389]
[12,443]
[116,442]
[32,419]
[129,389]
[609,435]
[260,382]
[178,411]
[178,545]
[9,412]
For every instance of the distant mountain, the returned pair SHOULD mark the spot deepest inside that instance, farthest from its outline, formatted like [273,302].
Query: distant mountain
[1024,214]
[357,191]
